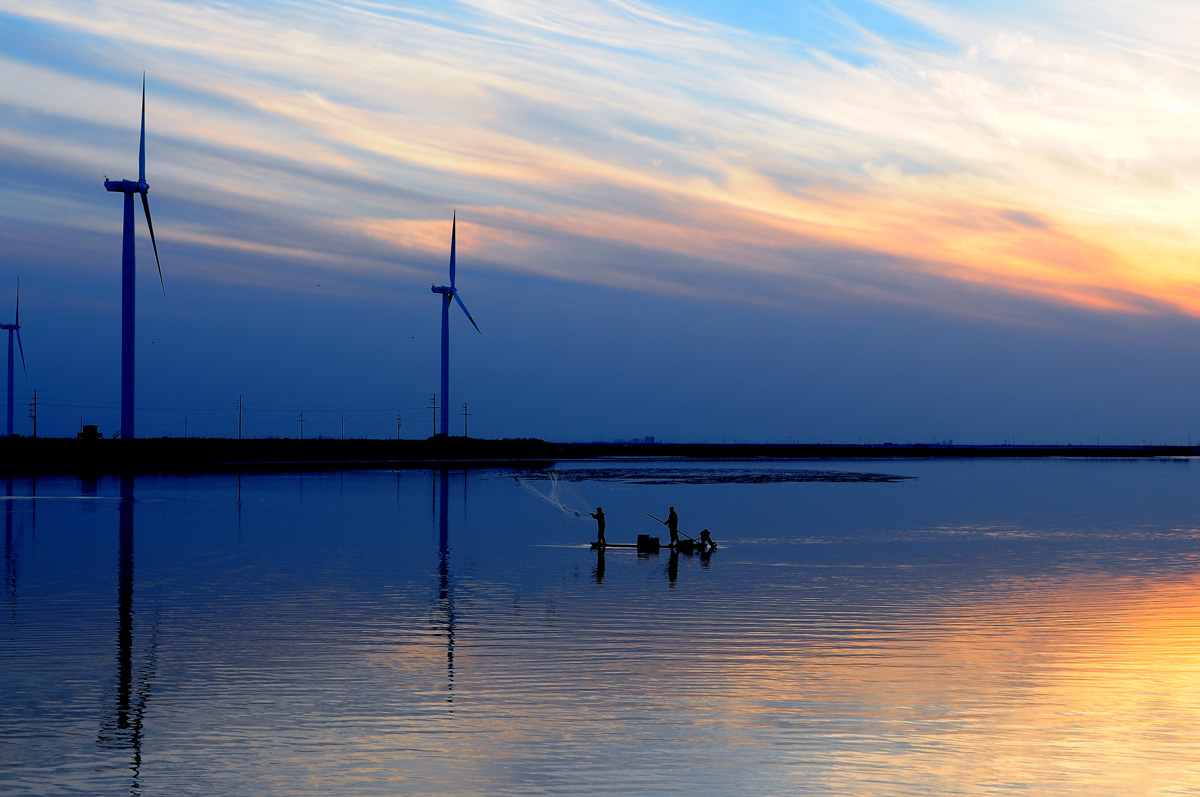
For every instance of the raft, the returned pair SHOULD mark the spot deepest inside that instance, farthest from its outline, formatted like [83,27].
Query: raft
[691,546]
[647,544]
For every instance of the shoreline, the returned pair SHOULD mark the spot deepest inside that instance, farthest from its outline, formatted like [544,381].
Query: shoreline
[34,456]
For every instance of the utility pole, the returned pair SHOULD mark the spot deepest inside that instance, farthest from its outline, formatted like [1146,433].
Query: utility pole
[465,414]
[239,416]
[343,426]
[302,425]
[185,427]
[397,424]
[433,406]
[33,412]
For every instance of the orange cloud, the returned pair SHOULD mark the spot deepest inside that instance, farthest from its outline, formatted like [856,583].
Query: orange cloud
[1019,158]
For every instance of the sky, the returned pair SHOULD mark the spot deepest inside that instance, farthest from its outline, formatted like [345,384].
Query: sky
[894,221]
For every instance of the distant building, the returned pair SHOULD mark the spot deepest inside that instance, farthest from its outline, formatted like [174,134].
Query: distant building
[89,431]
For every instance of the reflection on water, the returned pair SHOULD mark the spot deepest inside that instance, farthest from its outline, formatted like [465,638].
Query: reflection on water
[122,728]
[1015,627]
[445,594]
[10,554]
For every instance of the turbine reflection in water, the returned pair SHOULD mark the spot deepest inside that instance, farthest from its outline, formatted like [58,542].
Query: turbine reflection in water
[123,729]
[445,589]
[10,552]
[16,534]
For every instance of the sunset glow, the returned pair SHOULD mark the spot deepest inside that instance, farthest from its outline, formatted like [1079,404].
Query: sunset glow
[1011,157]
[939,158]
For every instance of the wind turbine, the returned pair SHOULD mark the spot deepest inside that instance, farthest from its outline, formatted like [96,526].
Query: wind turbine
[129,188]
[14,327]
[448,293]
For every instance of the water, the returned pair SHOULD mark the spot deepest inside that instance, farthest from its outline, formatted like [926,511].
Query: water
[1013,627]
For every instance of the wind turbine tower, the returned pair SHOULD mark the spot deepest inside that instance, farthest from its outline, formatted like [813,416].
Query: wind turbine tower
[449,292]
[129,188]
[12,328]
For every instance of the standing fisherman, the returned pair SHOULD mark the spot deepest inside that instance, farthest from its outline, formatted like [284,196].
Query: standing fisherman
[599,517]
[673,526]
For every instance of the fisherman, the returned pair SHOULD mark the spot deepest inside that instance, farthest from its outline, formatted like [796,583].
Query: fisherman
[673,526]
[598,515]
[706,541]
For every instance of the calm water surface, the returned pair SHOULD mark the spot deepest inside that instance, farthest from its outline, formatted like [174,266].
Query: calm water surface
[1018,627]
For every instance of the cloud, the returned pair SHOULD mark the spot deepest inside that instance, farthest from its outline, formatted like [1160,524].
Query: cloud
[1043,156]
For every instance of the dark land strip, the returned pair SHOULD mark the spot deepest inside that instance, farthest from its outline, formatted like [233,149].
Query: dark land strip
[24,455]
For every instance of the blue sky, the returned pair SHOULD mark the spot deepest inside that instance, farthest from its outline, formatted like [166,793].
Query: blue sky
[825,221]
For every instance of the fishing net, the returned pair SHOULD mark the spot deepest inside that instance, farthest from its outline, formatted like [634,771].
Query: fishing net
[559,494]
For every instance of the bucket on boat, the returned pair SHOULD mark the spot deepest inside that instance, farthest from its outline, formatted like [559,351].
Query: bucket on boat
[647,544]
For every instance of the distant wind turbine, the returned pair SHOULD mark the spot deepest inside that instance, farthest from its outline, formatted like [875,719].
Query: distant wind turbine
[14,327]
[129,188]
[449,293]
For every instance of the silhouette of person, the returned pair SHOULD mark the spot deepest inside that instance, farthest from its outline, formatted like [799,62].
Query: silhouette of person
[673,525]
[706,541]
[599,517]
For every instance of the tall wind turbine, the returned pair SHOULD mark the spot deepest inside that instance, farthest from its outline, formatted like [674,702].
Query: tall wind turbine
[14,327]
[129,188]
[448,293]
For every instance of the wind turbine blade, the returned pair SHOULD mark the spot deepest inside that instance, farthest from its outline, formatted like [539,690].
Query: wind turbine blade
[22,348]
[17,321]
[142,148]
[453,231]
[150,224]
[468,312]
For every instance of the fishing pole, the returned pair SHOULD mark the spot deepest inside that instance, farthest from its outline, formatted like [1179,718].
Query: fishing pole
[684,533]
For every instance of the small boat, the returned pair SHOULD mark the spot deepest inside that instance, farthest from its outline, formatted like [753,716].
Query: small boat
[647,544]
[693,546]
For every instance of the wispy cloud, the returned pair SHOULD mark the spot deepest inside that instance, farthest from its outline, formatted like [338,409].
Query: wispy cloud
[1048,156]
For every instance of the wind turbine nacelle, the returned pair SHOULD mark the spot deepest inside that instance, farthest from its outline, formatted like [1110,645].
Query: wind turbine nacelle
[441,289]
[127,186]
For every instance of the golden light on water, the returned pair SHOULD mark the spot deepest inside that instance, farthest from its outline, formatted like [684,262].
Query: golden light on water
[1054,685]
[1079,685]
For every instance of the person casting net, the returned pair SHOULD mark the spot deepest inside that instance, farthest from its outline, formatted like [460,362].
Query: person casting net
[560,494]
